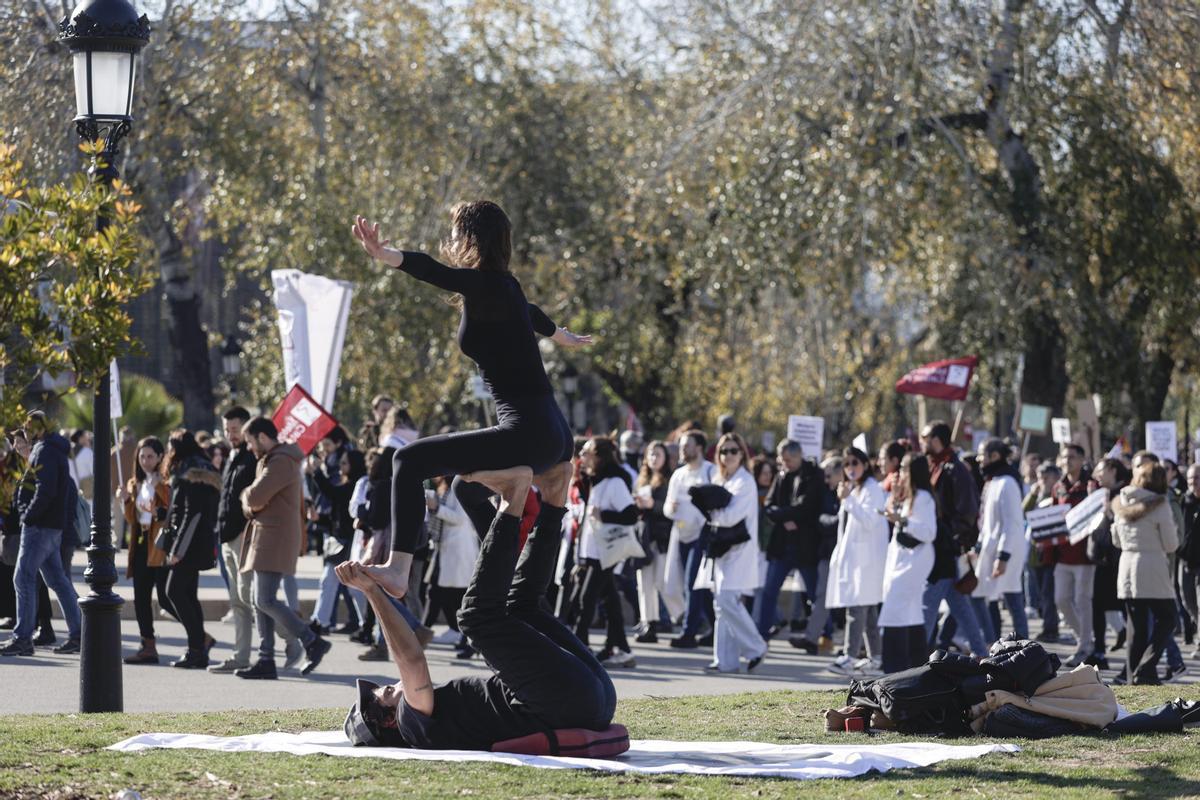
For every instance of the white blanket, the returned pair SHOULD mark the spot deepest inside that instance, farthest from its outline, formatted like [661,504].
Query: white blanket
[801,762]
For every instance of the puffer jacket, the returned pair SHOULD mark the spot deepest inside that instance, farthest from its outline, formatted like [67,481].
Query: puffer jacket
[195,494]
[1144,531]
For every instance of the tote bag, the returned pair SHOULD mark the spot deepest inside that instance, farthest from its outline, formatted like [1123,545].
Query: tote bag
[617,543]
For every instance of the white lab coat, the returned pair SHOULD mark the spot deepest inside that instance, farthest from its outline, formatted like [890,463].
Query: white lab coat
[1001,528]
[610,494]
[737,570]
[856,568]
[907,571]
[687,518]
[458,547]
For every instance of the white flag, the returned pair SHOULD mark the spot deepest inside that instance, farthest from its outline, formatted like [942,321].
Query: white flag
[115,409]
[313,313]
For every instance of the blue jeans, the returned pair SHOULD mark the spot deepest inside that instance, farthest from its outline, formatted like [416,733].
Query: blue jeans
[766,604]
[40,553]
[271,611]
[960,608]
[1044,577]
[699,601]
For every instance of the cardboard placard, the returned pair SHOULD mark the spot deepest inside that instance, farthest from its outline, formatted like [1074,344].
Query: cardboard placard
[1161,439]
[1033,419]
[809,432]
[1047,522]
[1060,430]
[1084,518]
[300,419]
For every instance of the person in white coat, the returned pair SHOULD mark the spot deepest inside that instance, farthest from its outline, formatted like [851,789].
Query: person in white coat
[683,551]
[913,510]
[735,572]
[1002,550]
[856,568]
[455,548]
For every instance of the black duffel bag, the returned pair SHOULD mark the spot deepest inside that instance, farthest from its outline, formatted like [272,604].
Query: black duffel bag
[919,700]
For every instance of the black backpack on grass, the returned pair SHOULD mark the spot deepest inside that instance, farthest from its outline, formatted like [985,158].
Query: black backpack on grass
[918,700]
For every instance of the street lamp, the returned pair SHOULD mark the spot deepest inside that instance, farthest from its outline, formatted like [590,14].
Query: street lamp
[570,384]
[104,37]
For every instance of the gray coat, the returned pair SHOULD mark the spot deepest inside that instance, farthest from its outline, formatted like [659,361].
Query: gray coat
[1144,530]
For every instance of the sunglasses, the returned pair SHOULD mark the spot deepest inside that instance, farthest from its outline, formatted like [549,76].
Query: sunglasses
[728,451]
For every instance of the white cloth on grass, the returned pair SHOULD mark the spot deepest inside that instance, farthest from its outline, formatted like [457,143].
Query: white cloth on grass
[800,762]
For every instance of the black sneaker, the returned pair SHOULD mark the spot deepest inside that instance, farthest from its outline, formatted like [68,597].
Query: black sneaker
[1097,660]
[648,636]
[318,628]
[364,636]
[1174,672]
[1048,638]
[44,637]
[1119,643]
[348,628]
[314,651]
[17,647]
[69,647]
[802,643]
[1189,710]
[685,642]
[261,671]
[754,662]
[705,641]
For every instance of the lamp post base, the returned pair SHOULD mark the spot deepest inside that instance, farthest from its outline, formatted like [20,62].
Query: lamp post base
[100,685]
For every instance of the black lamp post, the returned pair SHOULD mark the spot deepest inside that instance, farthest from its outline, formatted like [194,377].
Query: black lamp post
[570,384]
[104,37]
[231,362]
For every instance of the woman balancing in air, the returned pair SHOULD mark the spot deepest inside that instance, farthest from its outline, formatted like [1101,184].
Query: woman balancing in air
[497,331]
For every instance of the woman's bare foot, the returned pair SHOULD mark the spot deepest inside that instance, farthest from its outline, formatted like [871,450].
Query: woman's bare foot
[392,577]
[511,484]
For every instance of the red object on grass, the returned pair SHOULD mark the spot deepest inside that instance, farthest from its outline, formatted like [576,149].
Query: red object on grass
[949,379]
[301,420]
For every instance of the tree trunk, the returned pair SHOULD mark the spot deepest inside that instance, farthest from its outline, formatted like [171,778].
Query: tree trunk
[189,340]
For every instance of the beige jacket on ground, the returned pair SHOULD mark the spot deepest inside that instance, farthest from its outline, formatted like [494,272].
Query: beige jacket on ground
[274,504]
[1144,531]
[1079,696]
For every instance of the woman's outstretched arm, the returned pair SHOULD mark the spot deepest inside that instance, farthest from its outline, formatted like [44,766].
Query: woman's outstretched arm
[419,265]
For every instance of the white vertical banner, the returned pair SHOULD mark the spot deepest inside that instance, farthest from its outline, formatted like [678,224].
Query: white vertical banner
[313,314]
[115,409]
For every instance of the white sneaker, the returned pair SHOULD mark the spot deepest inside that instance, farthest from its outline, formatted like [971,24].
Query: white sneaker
[448,636]
[618,658]
[1196,654]
[842,665]
[868,667]
[228,618]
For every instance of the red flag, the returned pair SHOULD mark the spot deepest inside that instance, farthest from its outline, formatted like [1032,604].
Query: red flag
[301,420]
[946,380]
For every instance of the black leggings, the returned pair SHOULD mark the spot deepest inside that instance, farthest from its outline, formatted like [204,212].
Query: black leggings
[904,648]
[532,432]
[505,618]
[183,585]
[445,601]
[598,585]
[147,580]
[1151,626]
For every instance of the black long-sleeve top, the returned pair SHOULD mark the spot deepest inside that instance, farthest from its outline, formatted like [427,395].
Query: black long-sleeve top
[497,326]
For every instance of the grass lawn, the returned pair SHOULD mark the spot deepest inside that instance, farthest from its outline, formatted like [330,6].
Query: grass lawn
[63,756]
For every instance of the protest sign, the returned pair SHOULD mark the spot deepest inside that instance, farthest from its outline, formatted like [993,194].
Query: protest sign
[1060,430]
[809,432]
[1160,440]
[1084,518]
[1033,419]
[301,420]
[1046,522]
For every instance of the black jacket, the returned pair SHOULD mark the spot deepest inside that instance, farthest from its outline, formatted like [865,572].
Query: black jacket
[958,517]
[195,494]
[340,517]
[237,475]
[797,497]
[46,505]
[653,525]
[1189,537]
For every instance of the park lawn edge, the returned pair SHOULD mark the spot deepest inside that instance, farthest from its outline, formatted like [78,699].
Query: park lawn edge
[63,757]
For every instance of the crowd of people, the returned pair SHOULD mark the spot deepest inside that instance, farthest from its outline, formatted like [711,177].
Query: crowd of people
[894,554]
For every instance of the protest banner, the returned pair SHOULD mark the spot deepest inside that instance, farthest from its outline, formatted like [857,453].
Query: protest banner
[809,432]
[1046,522]
[1084,518]
[1161,440]
[313,313]
[301,419]
[949,379]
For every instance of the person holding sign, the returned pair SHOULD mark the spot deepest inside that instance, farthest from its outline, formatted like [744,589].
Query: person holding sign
[1146,534]
[1074,572]
[497,331]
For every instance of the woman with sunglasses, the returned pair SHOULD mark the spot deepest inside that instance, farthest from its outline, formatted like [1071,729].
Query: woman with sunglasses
[913,510]
[856,567]
[735,572]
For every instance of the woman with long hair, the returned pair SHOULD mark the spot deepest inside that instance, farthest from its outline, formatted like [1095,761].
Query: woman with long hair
[650,494]
[146,497]
[913,510]
[609,501]
[733,560]
[336,547]
[1112,476]
[497,331]
[195,493]
[856,568]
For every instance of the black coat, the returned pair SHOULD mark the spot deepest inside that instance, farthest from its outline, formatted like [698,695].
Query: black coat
[797,497]
[1189,548]
[340,517]
[958,517]
[653,525]
[237,475]
[195,494]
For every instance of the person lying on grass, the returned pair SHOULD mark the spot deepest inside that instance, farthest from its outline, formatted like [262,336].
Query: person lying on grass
[545,678]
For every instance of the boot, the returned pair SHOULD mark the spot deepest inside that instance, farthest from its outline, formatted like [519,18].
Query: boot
[147,655]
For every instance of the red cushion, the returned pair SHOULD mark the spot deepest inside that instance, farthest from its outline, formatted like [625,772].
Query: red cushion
[573,742]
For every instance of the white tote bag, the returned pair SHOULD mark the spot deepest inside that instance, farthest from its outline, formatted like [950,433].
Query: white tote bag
[616,543]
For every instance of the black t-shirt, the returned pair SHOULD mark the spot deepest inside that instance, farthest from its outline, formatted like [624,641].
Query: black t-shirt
[468,714]
[497,327]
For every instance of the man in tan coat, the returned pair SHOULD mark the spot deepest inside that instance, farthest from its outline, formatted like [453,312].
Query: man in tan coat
[273,504]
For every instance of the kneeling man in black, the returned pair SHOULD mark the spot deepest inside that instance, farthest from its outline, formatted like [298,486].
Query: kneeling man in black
[545,678]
